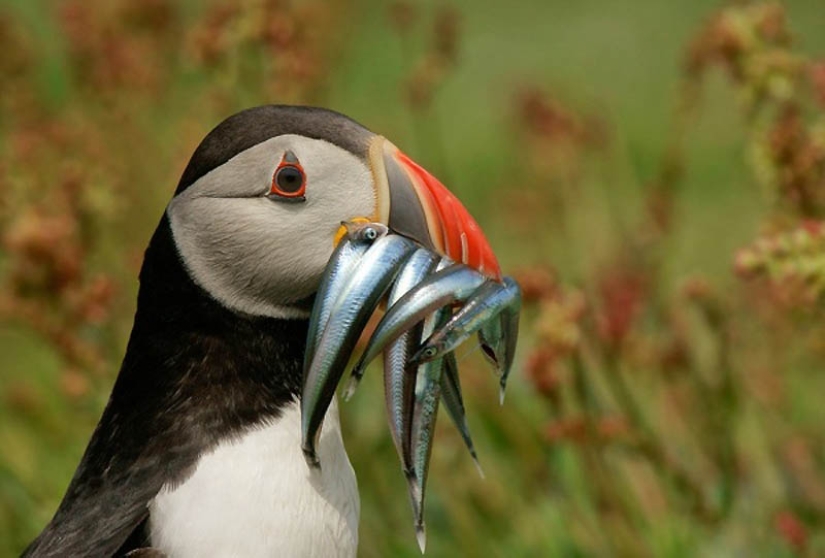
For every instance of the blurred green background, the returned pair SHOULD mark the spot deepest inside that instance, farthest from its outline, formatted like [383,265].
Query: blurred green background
[652,172]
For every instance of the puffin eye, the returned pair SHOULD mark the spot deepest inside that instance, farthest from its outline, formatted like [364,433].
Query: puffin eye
[289,181]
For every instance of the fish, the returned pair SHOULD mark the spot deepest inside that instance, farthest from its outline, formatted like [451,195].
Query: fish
[491,340]
[493,345]
[399,378]
[369,281]
[509,323]
[417,267]
[454,403]
[454,283]
[427,397]
[491,301]
[357,240]
[399,399]
[433,305]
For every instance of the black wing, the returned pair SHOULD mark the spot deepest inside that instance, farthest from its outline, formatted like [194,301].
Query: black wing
[135,450]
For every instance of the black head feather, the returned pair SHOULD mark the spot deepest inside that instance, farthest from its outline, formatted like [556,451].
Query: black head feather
[250,127]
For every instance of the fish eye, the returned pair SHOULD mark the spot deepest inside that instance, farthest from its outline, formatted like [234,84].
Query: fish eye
[289,180]
[370,233]
[430,352]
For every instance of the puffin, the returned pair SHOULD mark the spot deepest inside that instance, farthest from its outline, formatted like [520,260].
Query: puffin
[198,450]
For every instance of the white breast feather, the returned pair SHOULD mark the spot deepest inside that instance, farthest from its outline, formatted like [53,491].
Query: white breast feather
[256,497]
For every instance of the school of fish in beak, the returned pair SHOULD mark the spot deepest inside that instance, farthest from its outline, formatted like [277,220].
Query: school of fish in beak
[433,305]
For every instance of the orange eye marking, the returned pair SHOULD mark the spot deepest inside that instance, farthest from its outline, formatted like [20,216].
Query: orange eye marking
[289,180]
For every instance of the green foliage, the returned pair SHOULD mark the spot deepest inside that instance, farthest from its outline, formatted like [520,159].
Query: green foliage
[653,176]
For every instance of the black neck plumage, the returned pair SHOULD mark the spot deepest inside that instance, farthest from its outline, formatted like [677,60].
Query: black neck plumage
[194,374]
[202,358]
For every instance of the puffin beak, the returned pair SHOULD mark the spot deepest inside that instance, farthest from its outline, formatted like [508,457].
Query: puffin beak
[414,203]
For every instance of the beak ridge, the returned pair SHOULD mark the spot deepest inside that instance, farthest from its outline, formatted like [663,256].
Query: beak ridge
[422,208]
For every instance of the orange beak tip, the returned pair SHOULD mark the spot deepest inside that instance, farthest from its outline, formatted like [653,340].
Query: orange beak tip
[454,232]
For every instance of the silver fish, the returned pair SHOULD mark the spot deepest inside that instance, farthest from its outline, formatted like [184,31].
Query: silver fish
[489,302]
[509,324]
[416,268]
[399,378]
[399,398]
[454,403]
[427,397]
[491,339]
[454,283]
[345,258]
[369,281]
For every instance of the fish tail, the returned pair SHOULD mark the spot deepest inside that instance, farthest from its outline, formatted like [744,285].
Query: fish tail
[354,380]
[421,535]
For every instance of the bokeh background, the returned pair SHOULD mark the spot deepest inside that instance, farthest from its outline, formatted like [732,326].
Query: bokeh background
[652,172]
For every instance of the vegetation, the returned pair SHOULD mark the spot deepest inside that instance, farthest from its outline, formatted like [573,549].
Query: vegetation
[654,177]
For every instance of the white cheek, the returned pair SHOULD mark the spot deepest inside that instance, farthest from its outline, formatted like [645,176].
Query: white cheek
[257,255]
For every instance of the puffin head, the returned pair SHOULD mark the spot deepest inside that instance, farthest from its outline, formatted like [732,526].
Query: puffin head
[260,206]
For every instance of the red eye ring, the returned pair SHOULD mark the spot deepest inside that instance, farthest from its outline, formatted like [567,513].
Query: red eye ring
[289,180]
